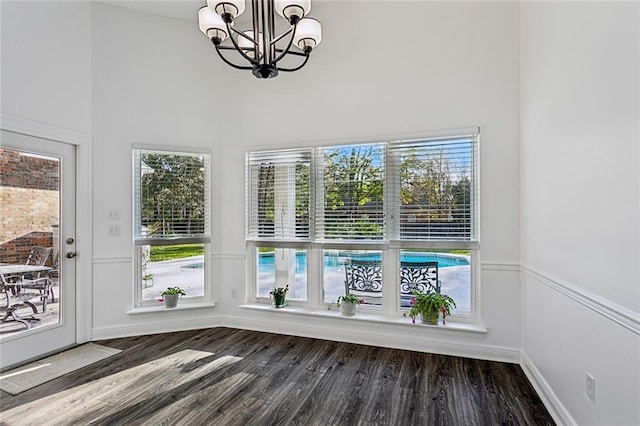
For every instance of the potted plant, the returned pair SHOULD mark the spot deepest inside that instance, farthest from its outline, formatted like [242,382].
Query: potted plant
[348,304]
[429,306]
[279,295]
[170,296]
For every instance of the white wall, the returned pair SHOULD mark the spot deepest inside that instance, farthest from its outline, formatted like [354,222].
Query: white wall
[580,206]
[46,63]
[168,87]
[153,83]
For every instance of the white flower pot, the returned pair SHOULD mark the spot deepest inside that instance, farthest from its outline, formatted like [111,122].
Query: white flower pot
[348,309]
[170,300]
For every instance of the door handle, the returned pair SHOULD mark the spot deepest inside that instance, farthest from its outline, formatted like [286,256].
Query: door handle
[71,254]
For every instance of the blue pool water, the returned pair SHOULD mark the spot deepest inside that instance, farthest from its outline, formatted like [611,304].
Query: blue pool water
[266,260]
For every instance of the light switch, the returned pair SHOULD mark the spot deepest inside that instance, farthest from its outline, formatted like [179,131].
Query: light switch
[113,214]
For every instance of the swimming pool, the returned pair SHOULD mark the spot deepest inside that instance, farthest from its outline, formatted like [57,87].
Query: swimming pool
[336,259]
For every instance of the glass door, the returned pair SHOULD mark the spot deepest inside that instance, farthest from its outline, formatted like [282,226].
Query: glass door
[37,247]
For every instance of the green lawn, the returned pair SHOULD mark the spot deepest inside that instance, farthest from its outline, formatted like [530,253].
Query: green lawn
[181,251]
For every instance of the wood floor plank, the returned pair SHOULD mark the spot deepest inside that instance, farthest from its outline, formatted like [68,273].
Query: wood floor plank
[223,376]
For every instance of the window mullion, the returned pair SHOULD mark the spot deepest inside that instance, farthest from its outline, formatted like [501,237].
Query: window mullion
[390,288]
[392,195]
[314,275]
[319,195]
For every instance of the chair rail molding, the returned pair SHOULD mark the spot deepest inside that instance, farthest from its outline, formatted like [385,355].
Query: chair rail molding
[106,260]
[228,256]
[499,266]
[111,260]
[608,309]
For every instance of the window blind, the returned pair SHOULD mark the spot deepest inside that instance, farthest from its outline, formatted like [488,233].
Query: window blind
[350,194]
[171,197]
[436,193]
[278,194]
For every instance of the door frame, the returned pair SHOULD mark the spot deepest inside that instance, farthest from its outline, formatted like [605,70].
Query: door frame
[84,214]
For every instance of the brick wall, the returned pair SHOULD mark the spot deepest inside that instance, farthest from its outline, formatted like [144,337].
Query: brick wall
[29,204]
[24,171]
[17,250]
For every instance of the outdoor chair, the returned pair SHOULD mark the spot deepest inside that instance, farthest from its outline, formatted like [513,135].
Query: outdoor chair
[37,257]
[43,285]
[13,302]
[363,278]
[419,277]
[40,281]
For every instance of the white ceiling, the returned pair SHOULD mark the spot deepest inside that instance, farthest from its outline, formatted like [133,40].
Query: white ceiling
[186,10]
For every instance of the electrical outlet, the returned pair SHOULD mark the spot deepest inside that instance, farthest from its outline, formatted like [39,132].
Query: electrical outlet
[591,387]
[113,230]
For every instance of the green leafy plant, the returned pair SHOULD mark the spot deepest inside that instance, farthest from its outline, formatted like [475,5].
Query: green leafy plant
[430,305]
[279,291]
[173,290]
[349,298]
[147,276]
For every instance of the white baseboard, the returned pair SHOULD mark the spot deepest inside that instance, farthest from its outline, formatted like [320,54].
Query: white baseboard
[168,326]
[373,338]
[555,407]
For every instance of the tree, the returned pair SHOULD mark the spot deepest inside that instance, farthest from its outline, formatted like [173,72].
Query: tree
[353,191]
[462,203]
[427,186]
[266,193]
[266,199]
[173,194]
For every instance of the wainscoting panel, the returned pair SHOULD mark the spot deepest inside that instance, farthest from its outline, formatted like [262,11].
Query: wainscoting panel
[568,333]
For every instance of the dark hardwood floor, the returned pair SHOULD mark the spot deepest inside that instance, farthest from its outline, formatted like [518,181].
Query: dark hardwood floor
[224,376]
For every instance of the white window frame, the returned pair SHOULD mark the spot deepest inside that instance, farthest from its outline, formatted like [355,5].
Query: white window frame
[390,247]
[139,240]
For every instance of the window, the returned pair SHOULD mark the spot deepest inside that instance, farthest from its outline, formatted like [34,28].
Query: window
[282,265]
[435,206]
[350,193]
[171,221]
[278,216]
[278,189]
[385,216]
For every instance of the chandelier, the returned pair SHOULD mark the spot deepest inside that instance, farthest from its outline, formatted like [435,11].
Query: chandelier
[260,47]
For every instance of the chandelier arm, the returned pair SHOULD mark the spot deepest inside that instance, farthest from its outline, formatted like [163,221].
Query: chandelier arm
[239,67]
[292,52]
[281,36]
[285,51]
[238,48]
[241,34]
[306,59]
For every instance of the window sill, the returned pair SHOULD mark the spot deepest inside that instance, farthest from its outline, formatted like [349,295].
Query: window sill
[162,308]
[365,317]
